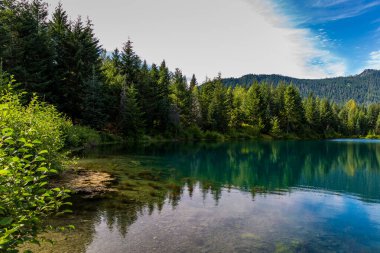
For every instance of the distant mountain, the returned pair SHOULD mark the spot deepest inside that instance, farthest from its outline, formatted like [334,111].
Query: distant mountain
[364,87]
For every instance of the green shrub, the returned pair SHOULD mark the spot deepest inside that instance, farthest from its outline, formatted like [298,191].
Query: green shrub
[30,142]
[81,136]
[250,130]
[36,121]
[211,135]
[239,134]
[110,138]
[193,133]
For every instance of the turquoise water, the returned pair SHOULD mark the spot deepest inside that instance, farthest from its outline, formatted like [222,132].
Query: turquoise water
[269,196]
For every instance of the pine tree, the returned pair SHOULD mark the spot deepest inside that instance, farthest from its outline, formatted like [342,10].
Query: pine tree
[293,109]
[130,64]
[93,109]
[193,82]
[26,47]
[205,96]
[113,82]
[131,123]
[311,112]
[181,97]
[195,110]
[63,48]
[325,115]
[237,116]
[217,110]
[275,129]
[78,54]
[254,105]
[163,101]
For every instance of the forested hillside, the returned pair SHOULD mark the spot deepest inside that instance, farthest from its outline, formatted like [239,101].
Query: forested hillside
[364,88]
[62,61]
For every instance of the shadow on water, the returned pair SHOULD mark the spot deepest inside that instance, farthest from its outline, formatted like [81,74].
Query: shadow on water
[171,188]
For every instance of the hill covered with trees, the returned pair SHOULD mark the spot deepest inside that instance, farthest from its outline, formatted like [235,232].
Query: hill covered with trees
[364,87]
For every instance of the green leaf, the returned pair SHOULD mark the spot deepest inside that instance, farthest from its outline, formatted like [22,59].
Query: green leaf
[43,184]
[4,172]
[42,169]
[39,159]
[29,145]
[23,140]
[5,221]
[27,156]
[9,141]
[7,131]
[43,152]
[15,159]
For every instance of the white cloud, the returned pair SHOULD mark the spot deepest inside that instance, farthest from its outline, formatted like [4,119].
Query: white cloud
[328,3]
[374,60]
[207,37]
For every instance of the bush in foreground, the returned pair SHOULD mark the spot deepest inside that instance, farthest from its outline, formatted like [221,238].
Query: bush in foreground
[30,141]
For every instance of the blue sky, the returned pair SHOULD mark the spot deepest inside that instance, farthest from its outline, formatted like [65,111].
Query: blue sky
[299,38]
[350,29]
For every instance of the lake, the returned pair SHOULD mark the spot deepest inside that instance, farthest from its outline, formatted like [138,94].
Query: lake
[262,196]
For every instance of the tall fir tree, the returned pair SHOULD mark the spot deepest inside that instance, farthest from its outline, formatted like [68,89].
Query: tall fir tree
[293,109]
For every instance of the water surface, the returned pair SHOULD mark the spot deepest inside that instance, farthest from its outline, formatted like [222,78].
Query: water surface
[270,196]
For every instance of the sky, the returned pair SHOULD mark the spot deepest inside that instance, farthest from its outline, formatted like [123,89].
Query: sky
[304,39]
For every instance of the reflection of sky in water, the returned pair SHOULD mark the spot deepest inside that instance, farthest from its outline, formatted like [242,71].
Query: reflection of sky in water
[298,221]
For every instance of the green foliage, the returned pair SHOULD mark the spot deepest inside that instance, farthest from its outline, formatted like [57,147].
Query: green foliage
[25,199]
[30,144]
[81,136]
[251,130]
[212,135]
[217,111]
[131,121]
[275,129]
[293,109]
[36,121]
[193,133]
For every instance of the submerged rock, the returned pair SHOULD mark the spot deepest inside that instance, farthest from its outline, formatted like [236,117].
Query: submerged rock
[87,183]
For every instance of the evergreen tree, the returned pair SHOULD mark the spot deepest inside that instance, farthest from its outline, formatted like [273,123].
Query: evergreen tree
[181,97]
[254,105]
[325,115]
[217,111]
[25,45]
[93,109]
[163,102]
[275,129]
[113,82]
[131,122]
[237,116]
[311,112]
[293,109]
[195,110]
[63,49]
[205,97]
[193,82]
[130,64]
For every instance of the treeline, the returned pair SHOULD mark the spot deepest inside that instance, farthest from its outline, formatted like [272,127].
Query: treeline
[363,88]
[62,61]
